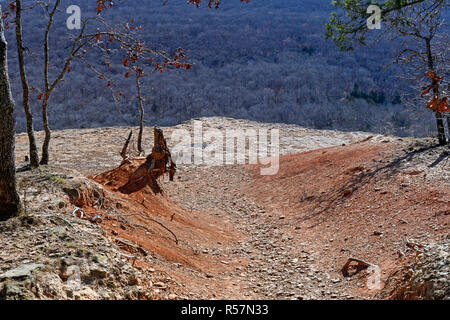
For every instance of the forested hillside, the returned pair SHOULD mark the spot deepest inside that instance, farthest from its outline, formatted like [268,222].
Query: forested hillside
[267,60]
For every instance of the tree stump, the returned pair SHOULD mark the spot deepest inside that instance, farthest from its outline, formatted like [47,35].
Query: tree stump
[157,163]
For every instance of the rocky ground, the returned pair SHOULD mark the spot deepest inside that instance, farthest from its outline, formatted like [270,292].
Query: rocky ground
[426,277]
[278,267]
[91,151]
[240,235]
[295,254]
[51,253]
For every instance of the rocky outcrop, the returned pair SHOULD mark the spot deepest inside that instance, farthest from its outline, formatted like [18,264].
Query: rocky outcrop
[56,252]
[429,276]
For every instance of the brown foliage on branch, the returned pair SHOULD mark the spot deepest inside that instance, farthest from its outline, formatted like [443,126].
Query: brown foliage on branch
[436,104]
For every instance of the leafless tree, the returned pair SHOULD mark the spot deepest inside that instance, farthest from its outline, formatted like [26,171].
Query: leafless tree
[34,156]
[423,47]
[9,198]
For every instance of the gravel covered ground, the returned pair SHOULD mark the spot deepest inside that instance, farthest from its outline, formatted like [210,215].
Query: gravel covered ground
[337,195]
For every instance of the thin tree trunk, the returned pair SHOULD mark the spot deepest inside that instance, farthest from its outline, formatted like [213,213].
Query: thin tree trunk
[441,129]
[45,145]
[439,118]
[448,128]
[141,118]
[9,198]
[47,89]
[34,156]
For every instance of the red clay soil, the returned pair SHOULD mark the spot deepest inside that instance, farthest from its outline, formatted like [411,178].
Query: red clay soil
[354,201]
[346,201]
[152,222]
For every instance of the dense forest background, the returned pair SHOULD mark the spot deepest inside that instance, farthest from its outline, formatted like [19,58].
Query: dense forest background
[267,61]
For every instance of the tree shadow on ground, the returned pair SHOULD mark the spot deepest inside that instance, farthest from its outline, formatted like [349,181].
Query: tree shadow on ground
[362,178]
[443,156]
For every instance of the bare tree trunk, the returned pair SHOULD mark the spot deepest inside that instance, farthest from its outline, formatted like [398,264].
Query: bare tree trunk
[45,145]
[141,118]
[439,118]
[9,198]
[34,156]
[124,152]
[47,88]
[440,127]
[448,126]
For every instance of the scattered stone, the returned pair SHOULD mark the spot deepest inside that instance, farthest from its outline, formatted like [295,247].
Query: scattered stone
[12,291]
[347,193]
[160,285]
[99,272]
[173,296]
[21,272]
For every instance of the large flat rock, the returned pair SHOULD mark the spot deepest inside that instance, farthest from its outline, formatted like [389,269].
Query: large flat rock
[23,271]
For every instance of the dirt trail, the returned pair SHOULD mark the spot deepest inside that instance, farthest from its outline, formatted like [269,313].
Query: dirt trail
[365,200]
[246,236]
[167,237]
[278,267]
